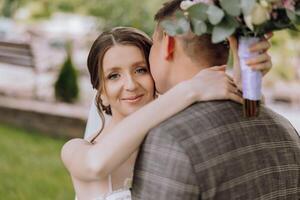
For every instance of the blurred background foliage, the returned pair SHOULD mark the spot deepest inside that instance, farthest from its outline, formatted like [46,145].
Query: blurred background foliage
[113,12]
[285,53]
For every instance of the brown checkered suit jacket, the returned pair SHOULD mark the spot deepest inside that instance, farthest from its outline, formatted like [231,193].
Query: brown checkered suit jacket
[210,151]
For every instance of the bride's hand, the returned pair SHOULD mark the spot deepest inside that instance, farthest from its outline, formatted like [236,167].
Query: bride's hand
[262,62]
[214,84]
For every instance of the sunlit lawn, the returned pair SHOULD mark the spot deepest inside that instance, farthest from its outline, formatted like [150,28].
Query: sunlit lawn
[30,167]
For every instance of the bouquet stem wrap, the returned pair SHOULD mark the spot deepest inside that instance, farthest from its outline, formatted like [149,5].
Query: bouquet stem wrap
[251,79]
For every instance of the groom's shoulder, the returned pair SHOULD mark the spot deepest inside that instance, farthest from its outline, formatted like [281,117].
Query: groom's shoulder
[205,112]
[212,115]
[201,116]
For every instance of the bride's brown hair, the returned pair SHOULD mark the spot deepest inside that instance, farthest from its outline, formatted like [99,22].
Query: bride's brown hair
[108,39]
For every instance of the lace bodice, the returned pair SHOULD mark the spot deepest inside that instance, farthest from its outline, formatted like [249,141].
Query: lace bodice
[121,194]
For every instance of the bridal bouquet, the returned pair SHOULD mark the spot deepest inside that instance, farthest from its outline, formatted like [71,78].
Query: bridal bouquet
[249,20]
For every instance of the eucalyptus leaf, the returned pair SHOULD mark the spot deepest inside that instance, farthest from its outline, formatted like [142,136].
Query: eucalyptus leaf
[198,11]
[170,27]
[199,27]
[179,14]
[176,27]
[232,7]
[293,16]
[183,26]
[215,14]
[209,28]
[297,10]
[225,29]
[247,6]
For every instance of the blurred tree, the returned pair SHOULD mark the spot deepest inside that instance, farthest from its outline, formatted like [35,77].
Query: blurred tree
[66,86]
[9,7]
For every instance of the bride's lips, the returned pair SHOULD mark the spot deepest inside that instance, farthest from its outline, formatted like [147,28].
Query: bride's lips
[133,99]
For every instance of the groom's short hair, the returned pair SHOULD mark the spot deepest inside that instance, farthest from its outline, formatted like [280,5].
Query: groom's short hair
[215,54]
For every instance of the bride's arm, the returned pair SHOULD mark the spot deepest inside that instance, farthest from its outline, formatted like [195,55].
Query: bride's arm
[88,162]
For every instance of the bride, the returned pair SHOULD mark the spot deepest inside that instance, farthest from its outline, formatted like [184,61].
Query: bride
[101,166]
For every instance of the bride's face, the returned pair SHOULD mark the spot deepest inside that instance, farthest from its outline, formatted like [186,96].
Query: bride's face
[128,84]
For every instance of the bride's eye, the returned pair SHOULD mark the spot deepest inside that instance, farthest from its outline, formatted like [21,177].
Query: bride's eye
[113,76]
[142,70]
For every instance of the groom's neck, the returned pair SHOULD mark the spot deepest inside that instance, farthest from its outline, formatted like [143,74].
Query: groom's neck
[185,69]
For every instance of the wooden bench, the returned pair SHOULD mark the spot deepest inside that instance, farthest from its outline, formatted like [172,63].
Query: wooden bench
[16,54]
[19,54]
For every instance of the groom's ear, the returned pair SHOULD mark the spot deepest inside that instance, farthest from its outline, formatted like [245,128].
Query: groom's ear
[169,47]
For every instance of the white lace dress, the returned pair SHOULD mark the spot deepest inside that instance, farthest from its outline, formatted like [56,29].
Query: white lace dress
[120,194]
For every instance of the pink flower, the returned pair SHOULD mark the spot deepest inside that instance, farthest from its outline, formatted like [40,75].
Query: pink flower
[288,4]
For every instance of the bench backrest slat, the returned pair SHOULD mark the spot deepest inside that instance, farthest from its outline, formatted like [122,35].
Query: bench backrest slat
[17,54]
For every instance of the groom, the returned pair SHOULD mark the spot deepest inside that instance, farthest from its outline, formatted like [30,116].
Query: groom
[209,151]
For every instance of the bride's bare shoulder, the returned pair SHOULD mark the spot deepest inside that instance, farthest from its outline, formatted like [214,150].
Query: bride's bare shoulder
[71,148]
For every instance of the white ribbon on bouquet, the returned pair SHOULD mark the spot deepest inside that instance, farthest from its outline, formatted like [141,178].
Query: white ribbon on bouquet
[251,79]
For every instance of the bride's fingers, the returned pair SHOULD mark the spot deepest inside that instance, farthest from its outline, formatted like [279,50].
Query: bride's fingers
[236,98]
[258,59]
[233,89]
[261,46]
[264,67]
[229,77]
[230,80]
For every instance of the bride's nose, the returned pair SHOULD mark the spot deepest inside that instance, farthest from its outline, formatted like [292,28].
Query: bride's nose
[130,83]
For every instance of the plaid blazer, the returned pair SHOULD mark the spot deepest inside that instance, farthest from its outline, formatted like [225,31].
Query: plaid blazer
[210,151]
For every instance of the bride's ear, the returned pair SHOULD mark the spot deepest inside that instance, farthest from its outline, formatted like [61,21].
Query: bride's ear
[169,47]
[104,100]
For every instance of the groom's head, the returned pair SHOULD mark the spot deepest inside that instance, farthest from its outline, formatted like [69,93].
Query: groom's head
[174,59]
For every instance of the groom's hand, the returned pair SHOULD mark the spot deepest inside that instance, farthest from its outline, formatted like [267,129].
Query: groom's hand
[262,62]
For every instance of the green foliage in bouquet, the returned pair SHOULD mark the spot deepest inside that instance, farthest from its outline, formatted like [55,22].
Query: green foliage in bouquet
[66,86]
[223,18]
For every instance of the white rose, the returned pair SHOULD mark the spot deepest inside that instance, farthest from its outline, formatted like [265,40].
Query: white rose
[264,3]
[259,14]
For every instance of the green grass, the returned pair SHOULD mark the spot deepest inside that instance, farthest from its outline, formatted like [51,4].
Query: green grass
[30,167]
